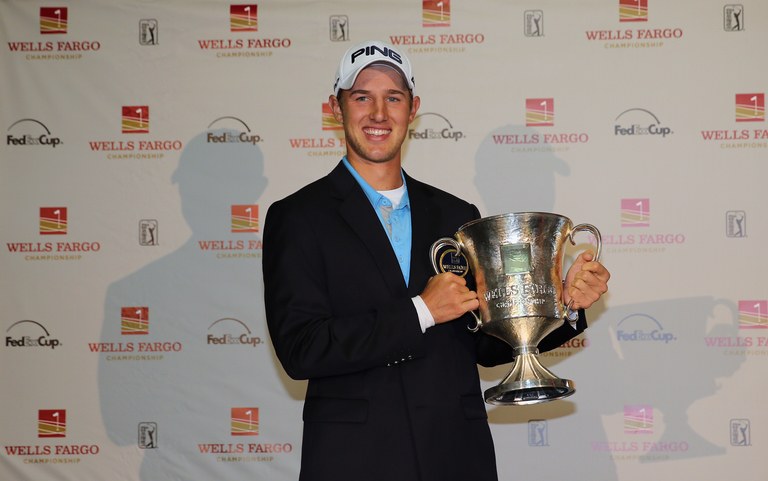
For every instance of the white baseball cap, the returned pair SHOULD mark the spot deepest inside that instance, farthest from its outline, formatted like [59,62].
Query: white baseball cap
[360,56]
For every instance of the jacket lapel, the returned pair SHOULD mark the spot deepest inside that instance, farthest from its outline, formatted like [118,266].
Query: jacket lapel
[358,213]
[425,222]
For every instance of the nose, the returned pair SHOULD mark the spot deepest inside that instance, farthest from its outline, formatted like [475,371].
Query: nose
[379,110]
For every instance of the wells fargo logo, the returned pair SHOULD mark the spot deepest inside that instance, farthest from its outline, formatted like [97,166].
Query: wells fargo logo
[638,419]
[245,218]
[53,20]
[243,18]
[635,212]
[52,423]
[750,107]
[753,314]
[245,421]
[436,13]
[135,119]
[329,121]
[53,220]
[540,112]
[329,146]
[134,321]
[633,10]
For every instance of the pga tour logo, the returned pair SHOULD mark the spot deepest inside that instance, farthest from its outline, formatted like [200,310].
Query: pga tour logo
[339,28]
[534,23]
[741,432]
[538,433]
[733,18]
[736,223]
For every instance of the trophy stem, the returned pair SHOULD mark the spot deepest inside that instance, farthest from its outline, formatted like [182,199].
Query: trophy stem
[529,383]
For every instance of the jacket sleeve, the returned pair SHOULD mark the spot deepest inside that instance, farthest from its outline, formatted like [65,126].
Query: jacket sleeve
[312,336]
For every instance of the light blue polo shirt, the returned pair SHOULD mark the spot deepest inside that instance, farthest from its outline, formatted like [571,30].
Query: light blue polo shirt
[396,219]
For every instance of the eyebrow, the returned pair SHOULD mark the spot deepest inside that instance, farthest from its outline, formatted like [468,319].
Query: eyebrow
[368,92]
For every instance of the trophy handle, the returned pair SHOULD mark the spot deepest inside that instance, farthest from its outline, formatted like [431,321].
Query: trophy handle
[591,229]
[439,244]
[436,246]
[598,240]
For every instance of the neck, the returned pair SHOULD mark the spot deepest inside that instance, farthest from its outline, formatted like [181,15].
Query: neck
[379,175]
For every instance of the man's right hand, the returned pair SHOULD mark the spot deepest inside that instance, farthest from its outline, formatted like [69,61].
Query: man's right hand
[448,297]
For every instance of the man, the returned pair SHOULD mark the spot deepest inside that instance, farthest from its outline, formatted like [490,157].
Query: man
[353,305]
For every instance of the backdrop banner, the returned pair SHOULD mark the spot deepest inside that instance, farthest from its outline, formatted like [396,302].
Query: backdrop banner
[143,143]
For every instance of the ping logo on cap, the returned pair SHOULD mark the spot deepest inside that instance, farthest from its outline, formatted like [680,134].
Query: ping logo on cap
[372,49]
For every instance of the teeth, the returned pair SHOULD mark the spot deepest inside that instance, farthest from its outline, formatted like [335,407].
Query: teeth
[376,131]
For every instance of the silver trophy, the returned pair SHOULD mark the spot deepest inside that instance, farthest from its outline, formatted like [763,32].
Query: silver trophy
[517,263]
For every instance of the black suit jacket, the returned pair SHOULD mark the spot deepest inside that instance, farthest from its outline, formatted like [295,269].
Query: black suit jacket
[384,400]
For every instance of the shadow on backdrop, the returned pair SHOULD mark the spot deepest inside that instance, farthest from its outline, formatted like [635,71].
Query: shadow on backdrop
[204,305]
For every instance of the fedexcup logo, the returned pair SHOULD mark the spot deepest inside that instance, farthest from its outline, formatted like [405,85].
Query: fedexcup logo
[229,331]
[642,328]
[440,128]
[637,121]
[29,333]
[230,129]
[31,132]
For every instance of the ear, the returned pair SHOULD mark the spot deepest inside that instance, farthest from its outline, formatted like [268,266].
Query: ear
[414,108]
[333,101]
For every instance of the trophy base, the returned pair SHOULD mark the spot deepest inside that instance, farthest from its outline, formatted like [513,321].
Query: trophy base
[529,383]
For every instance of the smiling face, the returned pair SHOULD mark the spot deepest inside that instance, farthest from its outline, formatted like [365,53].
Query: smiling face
[375,113]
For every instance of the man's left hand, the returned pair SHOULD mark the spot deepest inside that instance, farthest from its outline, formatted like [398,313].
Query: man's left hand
[585,282]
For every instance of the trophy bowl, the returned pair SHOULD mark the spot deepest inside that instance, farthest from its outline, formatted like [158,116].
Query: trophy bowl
[516,260]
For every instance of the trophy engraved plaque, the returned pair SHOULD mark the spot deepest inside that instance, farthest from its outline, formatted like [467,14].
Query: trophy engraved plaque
[517,263]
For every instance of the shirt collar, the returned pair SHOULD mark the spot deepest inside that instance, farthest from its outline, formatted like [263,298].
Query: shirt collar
[375,198]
